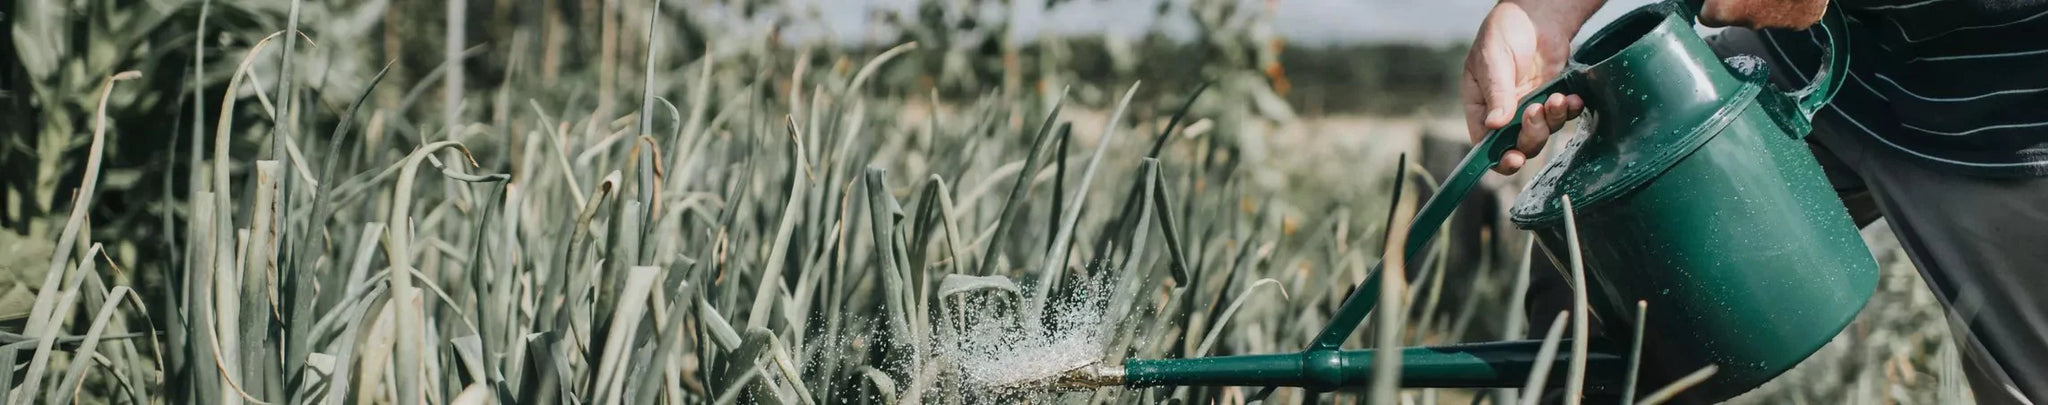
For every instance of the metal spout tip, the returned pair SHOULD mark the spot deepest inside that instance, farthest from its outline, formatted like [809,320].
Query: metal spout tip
[1090,377]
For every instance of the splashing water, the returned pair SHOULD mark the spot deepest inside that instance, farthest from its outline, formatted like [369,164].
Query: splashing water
[999,354]
[1030,363]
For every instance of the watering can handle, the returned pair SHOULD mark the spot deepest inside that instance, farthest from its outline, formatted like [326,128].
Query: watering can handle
[1834,68]
[1484,155]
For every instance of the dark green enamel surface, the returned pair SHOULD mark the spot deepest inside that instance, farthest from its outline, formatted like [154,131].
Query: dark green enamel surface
[1693,190]
[1750,273]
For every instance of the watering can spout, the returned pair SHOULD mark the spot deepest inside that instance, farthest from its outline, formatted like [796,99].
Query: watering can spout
[1475,365]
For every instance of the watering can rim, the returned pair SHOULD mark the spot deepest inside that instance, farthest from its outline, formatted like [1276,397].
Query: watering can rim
[1540,215]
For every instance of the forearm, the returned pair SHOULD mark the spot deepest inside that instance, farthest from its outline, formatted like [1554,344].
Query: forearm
[1563,17]
[1792,14]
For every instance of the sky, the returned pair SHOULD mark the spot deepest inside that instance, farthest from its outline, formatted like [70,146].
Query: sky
[1304,22]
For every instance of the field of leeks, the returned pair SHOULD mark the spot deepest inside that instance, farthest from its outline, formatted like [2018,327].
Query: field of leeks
[692,220]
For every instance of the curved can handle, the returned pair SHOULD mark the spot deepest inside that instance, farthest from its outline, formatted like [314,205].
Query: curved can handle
[1834,68]
[1484,155]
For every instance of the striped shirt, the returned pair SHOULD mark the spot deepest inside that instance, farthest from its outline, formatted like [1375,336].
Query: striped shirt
[1960,83]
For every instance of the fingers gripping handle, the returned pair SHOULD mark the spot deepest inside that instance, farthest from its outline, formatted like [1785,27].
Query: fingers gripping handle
[1690,9]
[1484,156]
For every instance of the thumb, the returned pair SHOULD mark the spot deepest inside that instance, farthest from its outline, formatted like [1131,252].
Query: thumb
[1501,93]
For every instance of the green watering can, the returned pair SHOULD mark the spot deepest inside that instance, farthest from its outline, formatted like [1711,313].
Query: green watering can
[1693,190]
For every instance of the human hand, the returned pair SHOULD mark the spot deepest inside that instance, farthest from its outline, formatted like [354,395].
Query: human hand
[1519,48]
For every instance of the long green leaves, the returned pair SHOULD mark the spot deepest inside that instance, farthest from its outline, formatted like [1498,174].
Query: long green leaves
[1056,259]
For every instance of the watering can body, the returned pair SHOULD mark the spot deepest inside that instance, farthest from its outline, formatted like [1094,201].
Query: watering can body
[1692,190]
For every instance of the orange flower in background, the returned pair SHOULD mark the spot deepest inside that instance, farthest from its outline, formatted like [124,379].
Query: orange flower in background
[1274,72]
[1278,76]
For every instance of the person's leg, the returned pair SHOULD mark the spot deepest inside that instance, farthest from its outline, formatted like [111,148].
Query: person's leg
[1982,245]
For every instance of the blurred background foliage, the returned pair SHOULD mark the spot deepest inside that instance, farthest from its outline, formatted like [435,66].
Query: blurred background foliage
[60,48]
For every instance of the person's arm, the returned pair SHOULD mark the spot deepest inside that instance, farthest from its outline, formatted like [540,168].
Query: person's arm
[1792,14]
[1524,43]
[1568,14]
